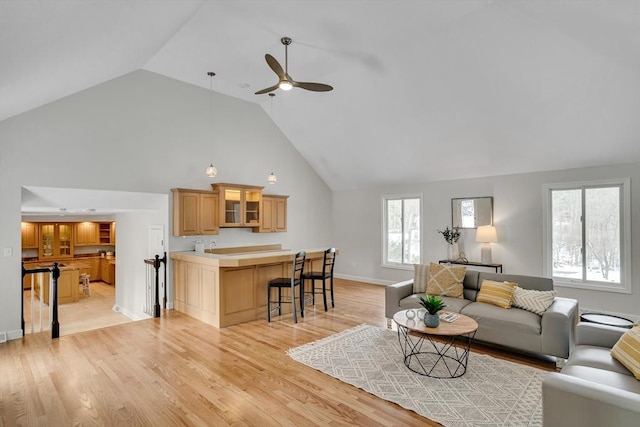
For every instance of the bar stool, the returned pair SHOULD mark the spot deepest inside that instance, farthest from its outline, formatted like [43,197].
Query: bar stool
[328,262]
[297,268]
[84,284]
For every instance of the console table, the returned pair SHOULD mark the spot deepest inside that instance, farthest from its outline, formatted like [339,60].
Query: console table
[496,267]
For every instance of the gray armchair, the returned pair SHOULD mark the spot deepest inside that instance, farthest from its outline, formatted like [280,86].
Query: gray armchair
[593,389]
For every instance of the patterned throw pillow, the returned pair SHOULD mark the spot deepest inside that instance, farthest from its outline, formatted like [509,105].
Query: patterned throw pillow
[496,293]
[420,274]
[445,281]
[531,300]
[627,350]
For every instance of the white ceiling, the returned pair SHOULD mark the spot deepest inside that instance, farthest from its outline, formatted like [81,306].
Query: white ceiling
[424,90]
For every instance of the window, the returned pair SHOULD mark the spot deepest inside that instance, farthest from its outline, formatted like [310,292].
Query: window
[585,231]
[401,230]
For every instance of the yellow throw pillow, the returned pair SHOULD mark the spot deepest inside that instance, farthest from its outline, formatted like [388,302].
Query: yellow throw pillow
[627,350]
[496,293]
[445,281]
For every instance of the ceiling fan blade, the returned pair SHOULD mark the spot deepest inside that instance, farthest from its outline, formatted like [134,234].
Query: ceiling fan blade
[269,89]
[275,66]
[315,87]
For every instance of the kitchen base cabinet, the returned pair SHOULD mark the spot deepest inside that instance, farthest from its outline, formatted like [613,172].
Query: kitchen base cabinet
[68,286]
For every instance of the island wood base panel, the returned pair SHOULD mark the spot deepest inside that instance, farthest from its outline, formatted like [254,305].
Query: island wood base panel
[224,290]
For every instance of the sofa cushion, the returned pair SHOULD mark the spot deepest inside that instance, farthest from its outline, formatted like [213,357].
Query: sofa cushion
[511,321]
[531,300]
[445,280]
[496,293]
[596,357]
[602,376]
[627,350]
[420,277]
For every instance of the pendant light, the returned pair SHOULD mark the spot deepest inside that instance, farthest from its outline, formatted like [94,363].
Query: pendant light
[211,170]
[272,179]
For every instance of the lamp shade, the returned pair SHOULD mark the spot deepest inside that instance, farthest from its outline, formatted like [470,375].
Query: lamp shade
[486,234]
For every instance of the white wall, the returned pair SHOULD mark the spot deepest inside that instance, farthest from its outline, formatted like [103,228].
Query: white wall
[357,225]
[147,133]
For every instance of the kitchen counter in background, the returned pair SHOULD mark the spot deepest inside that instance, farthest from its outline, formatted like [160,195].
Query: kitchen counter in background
[99,268]
[227,286]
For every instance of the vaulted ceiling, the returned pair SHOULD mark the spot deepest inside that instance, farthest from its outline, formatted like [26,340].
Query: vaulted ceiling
[423,90]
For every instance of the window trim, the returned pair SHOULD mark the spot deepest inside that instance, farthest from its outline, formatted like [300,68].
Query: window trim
[384,198]
[625,236]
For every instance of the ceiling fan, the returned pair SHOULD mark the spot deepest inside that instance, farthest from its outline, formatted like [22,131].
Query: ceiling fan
[285,81]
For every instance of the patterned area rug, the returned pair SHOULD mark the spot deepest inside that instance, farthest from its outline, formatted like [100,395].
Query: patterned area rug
[493,392]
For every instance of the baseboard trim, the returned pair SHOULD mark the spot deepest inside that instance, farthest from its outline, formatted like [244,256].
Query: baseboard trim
[10,335]
[364,279]
[129,314]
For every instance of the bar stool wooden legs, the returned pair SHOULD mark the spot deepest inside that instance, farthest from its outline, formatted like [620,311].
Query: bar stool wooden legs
[84,278]
[292,282]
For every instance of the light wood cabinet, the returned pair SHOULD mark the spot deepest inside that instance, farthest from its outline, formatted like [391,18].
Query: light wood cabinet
[240,205]
[68,286]
[274,214]
[29,235]
[56,241]
[195,212]
[107,271]
[86,234]
[106,233]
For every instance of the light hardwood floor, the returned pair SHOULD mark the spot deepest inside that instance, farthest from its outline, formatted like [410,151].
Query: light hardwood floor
[90,312]
[176,370]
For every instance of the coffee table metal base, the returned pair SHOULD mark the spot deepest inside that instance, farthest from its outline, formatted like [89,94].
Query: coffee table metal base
[439,358]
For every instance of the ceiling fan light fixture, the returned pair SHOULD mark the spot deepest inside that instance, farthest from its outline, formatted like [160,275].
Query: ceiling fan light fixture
[285,85]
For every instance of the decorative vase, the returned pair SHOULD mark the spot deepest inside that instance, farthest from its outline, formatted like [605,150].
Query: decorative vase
[452,252]
[431,320]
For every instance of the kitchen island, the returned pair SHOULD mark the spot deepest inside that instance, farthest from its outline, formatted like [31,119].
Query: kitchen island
[227,286]
[68,282]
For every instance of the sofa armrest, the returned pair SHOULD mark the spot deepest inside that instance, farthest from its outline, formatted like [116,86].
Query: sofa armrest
[558,327]
[571,401]
[598,335]
[393,294]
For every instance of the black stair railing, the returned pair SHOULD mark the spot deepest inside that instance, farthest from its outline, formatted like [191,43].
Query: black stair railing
[156,262]
[55,274]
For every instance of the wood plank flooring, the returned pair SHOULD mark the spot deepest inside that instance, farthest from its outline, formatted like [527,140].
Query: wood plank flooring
[90,312]
[178,371]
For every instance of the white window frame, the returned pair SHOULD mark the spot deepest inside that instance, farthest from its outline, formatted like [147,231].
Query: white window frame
[384,199]
[625,236]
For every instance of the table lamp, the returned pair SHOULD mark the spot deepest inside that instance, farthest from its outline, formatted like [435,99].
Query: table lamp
[486,234]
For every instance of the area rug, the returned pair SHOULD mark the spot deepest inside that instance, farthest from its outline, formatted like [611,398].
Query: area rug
[493,392]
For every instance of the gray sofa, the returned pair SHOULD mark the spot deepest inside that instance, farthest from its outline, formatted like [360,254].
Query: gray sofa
[593,389]
[551,333]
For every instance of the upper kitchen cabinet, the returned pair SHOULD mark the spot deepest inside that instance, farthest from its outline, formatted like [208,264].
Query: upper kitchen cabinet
[274,214]
[30,234]
[107,233]
[195,212]
[56,241]
[240,205]
[86,234]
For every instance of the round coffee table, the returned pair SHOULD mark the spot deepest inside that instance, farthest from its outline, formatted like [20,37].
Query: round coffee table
[440,358]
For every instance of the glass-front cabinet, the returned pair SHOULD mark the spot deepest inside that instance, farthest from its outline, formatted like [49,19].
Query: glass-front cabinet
[240,205]
[56,241]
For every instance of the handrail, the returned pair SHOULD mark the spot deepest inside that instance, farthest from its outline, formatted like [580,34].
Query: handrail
[156,265]
[55,274]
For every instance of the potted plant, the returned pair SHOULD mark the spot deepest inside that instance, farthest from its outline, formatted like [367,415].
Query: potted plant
[451,236]
[433,304]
